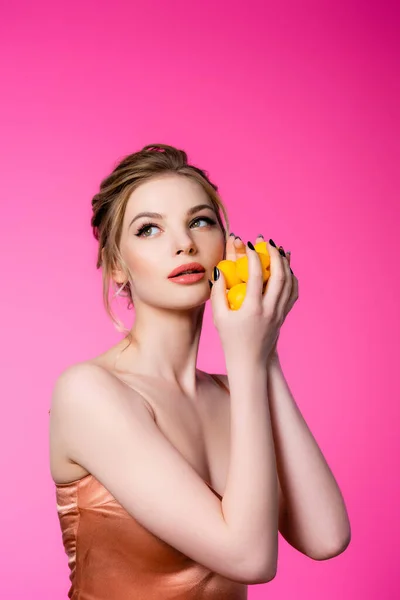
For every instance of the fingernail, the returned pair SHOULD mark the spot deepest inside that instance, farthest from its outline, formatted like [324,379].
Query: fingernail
[210,283]
[250,245]
[272,243]
[291,270]
[260,235]
[281,252]
[216,273]
[231,234]
[237,237]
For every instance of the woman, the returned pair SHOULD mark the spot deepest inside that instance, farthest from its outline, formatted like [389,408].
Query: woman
[166,477]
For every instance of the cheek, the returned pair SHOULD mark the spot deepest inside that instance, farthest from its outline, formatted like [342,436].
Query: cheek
[135,261]
[144,264]
[218,250]
[222,249]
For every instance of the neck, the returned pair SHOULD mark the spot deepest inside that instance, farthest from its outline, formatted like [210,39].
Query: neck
[163,344]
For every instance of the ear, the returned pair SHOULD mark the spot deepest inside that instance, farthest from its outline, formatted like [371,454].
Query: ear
[119,276]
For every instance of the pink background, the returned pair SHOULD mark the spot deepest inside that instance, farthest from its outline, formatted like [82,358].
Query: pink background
[293,111]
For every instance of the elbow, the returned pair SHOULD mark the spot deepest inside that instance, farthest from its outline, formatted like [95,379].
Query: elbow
[263,575]
[257,571]
[332,551]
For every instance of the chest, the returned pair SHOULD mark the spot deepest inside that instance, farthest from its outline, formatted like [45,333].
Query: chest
[200,432]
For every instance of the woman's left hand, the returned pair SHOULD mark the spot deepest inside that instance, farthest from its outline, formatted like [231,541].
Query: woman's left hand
[235,248]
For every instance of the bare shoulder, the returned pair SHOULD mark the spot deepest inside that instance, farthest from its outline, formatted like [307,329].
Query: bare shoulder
[80,390]
[79,374]
[84,394]
[84,383]
[77,380]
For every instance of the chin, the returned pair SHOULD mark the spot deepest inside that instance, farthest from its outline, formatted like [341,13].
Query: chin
[189,299]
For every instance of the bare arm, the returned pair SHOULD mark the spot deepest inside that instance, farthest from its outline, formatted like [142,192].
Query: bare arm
[316,521]
[119,443]
[250,503]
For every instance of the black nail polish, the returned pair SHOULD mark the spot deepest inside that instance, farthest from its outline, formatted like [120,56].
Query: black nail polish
[216,273]
[237,237]
[210,283]
[281,252]
[272,243]
[231,234]
[250,245]
[260,235]
[291,271]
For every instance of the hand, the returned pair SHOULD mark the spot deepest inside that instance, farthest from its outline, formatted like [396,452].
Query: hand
[291,301]
[254,328]
[235,248]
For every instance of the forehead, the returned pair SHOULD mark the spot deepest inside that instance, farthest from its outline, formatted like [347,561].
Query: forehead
[167,192]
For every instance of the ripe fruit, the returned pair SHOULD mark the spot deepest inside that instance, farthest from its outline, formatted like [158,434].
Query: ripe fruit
[242,266]
[261,247]
[236,275]
[228,267]
[236,295]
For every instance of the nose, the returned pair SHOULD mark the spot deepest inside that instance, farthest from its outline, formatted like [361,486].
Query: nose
[187,246]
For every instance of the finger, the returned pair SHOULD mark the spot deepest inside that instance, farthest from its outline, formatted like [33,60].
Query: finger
[259,238]
[287,288]
[255,280]
[291,302]
[294,293]
[239,247]
[276,281]
[230,252]
[218,298]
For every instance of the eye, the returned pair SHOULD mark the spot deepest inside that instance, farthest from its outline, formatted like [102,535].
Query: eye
[144,228]
[206,219]
[147,226]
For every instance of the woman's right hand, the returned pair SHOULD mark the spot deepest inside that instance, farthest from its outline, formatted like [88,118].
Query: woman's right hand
[254,327]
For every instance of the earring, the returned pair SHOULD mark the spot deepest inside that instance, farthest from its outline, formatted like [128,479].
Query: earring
[120,289]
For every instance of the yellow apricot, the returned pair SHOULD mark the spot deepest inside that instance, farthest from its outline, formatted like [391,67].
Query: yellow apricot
[236,295]
[261,247]
[265,259]
[242,267]
[228,268]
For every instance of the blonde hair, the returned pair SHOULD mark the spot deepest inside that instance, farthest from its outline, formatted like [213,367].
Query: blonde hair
[108,207]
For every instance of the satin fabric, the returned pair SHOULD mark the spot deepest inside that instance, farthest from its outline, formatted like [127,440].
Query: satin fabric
[112,557]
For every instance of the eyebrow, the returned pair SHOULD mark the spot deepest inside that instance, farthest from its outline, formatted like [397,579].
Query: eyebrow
[154,215]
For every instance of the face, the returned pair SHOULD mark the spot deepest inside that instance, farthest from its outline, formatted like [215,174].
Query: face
[152,246]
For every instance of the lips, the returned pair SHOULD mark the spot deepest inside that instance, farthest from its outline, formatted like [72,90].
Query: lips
[189,267]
